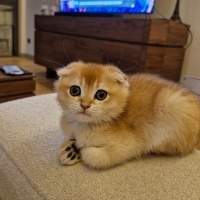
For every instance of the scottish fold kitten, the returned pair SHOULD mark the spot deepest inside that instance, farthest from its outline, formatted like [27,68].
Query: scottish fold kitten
[109,117]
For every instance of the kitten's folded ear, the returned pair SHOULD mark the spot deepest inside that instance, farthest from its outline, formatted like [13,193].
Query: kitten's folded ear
[66,70]
[119,76]
[63,71]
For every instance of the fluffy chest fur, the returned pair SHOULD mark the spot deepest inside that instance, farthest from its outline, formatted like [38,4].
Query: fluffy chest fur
[87,135]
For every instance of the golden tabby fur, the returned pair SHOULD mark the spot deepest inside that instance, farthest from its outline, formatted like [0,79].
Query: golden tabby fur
[141,114]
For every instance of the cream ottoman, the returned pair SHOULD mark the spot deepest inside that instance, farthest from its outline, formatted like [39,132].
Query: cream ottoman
[29,168]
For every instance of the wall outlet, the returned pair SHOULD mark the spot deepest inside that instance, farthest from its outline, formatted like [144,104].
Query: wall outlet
[192,83]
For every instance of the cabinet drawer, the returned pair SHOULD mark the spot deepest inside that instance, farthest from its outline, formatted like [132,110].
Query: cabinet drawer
[143,31]
[16,87]
[62,50]
[67,49]
[44,48]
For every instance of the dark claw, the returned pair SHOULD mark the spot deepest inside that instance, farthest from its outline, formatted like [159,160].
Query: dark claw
[74,156]
[72,140]
[68,148]
[75,148]
[69,155]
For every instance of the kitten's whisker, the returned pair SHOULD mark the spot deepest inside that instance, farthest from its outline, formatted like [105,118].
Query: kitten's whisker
[120,57]
[121,117]
[52,61]
[116,120]
[112,123]
[77,57]
[131,67]
[65,51]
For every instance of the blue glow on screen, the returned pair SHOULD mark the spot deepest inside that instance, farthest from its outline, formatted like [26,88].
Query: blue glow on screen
[107,6]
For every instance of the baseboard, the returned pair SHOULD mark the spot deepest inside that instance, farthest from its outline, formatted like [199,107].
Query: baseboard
[192,83]
[27,56]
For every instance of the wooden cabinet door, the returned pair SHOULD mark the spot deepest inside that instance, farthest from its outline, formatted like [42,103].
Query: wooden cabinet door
[57,50]
[44,48]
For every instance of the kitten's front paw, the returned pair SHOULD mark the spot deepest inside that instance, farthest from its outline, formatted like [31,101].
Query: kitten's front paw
[69,153]
[95,158]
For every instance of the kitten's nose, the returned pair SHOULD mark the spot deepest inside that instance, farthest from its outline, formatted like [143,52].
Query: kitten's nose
[84,107]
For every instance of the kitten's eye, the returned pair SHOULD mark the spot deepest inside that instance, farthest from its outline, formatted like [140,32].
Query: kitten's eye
[101,95]
[75,90]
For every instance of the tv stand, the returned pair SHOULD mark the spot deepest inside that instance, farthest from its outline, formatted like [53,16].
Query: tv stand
[134,45]
[75,14]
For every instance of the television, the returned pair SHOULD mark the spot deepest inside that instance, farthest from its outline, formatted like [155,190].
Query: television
[106,6]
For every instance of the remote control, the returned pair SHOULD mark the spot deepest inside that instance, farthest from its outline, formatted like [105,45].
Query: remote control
[12,70]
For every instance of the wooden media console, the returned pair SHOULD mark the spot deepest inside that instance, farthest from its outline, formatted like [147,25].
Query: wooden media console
[134,45]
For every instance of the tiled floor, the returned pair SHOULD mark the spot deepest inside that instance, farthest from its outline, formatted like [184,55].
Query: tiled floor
[43,85]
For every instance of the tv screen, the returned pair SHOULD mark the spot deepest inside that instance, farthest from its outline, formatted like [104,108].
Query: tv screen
[107,6]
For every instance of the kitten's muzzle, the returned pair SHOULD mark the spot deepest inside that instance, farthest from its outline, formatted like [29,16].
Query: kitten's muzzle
[85,107]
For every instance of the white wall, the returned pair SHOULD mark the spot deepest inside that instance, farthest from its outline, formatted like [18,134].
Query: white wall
[33,7]
[190,14]
[27,11]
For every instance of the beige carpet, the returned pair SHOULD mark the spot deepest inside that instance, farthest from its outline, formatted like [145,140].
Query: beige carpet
[29,169]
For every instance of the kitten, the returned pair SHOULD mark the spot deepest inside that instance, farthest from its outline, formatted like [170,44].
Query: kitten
[109,117]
